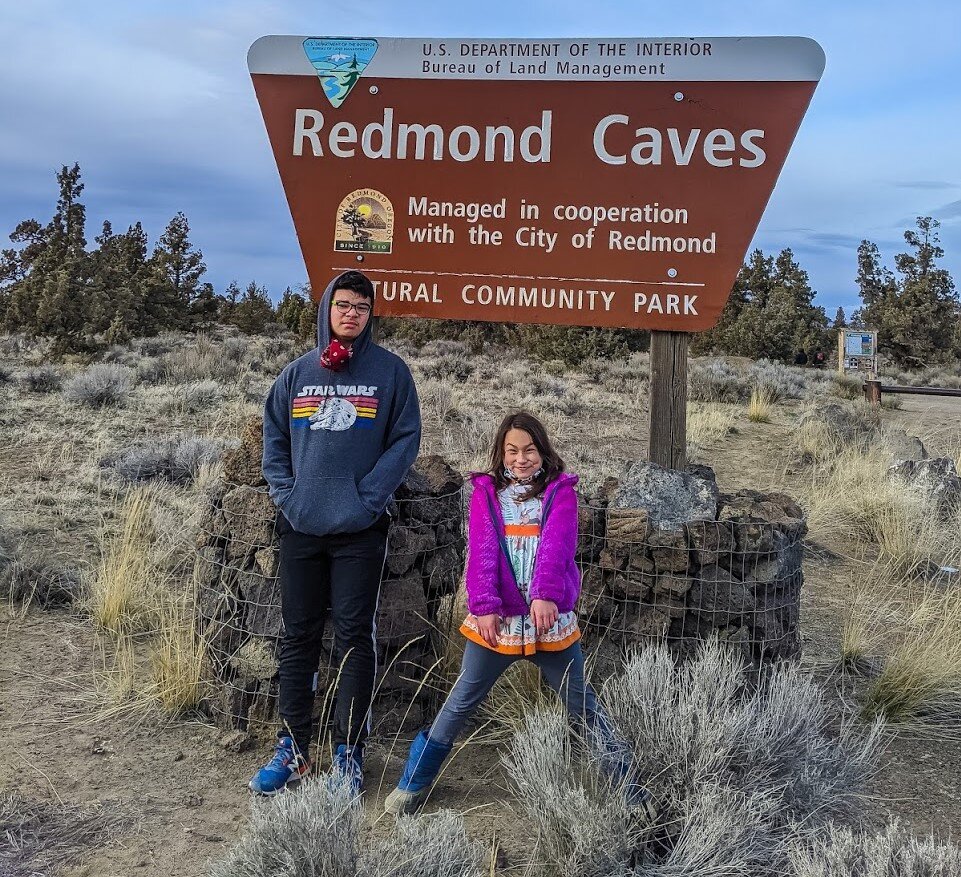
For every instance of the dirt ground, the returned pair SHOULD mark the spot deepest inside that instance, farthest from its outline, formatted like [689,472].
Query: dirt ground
[182,796]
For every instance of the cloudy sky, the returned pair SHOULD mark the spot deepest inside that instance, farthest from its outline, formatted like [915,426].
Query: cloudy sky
[154,101]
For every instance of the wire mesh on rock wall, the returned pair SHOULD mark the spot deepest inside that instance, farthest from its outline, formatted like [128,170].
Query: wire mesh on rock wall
[662,553]
[734,572]
[239,593]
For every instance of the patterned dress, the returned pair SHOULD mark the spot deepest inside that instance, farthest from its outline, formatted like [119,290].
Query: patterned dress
[516,634]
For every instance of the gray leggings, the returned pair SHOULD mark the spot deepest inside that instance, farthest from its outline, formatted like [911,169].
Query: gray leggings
[481,668]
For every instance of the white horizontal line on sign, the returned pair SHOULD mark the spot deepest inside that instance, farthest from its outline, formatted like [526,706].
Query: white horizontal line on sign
[591,59]
[515,276]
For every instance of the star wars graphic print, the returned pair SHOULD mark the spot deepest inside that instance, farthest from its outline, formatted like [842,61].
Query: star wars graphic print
[334,408]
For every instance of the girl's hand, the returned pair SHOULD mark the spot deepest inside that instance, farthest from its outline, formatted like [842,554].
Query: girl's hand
[487,627]
[543,615]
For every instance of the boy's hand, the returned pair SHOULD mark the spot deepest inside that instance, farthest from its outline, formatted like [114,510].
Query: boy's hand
[543,615]
[487,627]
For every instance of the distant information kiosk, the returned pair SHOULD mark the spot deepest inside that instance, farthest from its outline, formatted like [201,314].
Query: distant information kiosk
[858,352]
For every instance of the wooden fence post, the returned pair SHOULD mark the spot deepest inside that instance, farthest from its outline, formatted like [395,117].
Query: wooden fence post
[872,392]
[668,433]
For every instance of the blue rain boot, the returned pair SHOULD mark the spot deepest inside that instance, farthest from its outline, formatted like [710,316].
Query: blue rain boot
[623,775]
[423,764]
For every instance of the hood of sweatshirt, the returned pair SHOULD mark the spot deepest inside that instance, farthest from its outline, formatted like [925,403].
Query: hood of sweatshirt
[338,444]
[324,334]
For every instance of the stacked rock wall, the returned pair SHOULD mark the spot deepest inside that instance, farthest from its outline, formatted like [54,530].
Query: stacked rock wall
[239,594]
[663,554]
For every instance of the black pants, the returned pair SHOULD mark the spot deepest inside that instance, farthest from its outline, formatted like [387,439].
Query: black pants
[341,575]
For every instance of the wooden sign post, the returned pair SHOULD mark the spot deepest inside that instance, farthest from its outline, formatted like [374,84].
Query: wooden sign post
[667,442]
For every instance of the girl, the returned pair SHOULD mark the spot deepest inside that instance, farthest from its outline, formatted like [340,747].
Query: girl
[522,584]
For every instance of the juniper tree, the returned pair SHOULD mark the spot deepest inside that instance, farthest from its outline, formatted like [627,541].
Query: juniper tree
[47,277]
[915,314]
[254,311]
[291,306]
[770,313]
[179,268]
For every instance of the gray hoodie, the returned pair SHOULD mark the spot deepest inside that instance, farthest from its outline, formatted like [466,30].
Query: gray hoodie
[338,444]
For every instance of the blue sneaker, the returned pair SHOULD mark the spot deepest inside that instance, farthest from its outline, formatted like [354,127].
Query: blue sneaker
[349,766]
[287,766]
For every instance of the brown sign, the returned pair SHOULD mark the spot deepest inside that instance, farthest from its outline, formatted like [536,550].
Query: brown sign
[577,182]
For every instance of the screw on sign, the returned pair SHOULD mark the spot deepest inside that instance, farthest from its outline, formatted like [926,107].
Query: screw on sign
[599,182]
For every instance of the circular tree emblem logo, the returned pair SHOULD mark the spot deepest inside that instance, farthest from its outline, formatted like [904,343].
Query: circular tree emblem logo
[365,223]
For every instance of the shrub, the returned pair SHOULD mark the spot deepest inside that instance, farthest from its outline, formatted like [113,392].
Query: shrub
[847,386]
[6,374]
[427,846]
[314,833]
[732,771]
[714,380]
[192,398]
[151,371]
[158,344]
[204,359]
[41,837]
[455,367]
[574,345]
[841,852]
[178,459]
[103,384]
[43,379]
[39,583]
[318,832]
[777,380]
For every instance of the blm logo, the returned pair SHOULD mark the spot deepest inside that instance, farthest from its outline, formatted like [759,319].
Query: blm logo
[339,64]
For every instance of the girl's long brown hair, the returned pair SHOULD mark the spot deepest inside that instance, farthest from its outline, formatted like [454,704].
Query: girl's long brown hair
[551,463]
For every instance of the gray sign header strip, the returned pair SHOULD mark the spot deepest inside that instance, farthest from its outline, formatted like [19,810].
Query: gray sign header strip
[592,59]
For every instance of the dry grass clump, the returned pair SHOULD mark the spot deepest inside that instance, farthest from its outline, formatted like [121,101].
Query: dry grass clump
[41,837]
[42,379]
[707,423]
[176,459]
[155,655]
[853,494]
[760,407]
[823,432]
[920,681]
[126,589]
[320,832]
[100,385]
[841,852]
[178,657]
[736,775]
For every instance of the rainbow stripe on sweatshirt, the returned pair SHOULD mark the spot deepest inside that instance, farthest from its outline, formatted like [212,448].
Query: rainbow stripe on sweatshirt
[305,405]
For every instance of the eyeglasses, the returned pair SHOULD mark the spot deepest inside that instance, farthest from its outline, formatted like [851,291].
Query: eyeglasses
[345,307]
